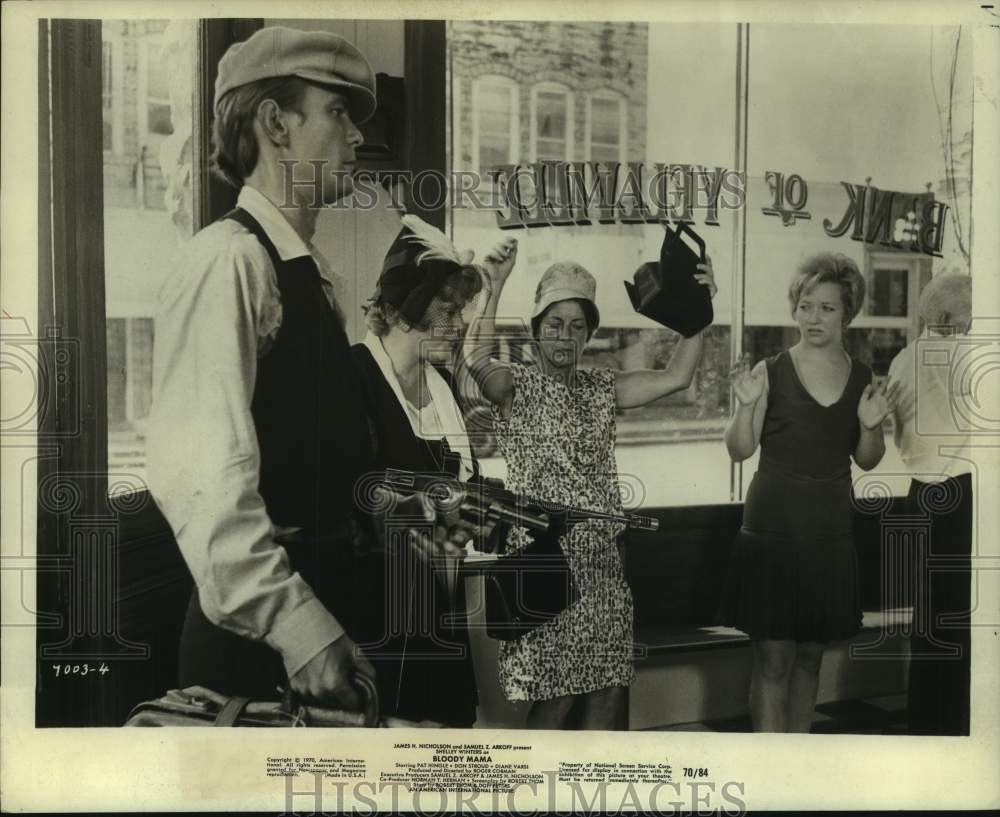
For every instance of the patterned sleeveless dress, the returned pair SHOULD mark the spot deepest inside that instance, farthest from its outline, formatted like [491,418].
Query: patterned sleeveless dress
[560,447]
[793,572]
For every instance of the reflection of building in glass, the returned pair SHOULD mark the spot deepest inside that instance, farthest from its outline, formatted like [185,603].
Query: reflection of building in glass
[528,91]
[136,104]
[523,92]
[146,94]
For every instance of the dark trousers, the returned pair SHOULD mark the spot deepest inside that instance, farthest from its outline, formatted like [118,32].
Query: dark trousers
[232,665]
[391,603]
[940,649]
[224,662]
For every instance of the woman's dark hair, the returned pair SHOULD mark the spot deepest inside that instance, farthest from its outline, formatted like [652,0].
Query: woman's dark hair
[589,313]
[460,287]
[234,145]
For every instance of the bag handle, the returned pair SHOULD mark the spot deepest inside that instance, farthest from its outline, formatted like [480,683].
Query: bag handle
[683,227]
[291,703]
[231,710]
[366,686]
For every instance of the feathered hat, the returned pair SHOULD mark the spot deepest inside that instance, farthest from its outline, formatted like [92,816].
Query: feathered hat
[418,263]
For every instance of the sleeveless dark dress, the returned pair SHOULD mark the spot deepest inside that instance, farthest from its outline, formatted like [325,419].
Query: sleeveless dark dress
[418,640]
[793,572]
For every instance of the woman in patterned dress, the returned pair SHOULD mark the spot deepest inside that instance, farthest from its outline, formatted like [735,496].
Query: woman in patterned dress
[555,425]
[792,583]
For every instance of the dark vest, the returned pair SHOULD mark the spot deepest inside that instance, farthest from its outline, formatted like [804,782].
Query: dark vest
[309,414]
[435,680]
[308,409]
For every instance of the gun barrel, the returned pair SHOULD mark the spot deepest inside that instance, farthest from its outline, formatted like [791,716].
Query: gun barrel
[512,508]
[643,522]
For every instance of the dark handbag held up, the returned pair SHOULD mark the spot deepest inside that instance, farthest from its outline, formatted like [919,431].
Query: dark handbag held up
[667,292]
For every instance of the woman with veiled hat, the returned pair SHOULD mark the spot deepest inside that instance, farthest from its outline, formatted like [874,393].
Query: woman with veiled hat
[555,425]
[419,642]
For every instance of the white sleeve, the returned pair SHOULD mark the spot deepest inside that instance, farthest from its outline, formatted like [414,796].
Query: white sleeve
[203,457]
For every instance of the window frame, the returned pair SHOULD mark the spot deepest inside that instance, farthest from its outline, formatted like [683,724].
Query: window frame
[915,264]
[607,95]
[514,124]
[122,540]
[570,103]
[114,40]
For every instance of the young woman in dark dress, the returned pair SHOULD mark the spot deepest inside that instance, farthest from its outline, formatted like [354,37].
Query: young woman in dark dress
[792,584]
[419,645]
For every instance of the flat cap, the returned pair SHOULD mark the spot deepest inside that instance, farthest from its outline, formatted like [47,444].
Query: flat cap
[317,56]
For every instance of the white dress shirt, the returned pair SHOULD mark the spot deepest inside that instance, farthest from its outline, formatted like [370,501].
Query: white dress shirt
[217,313]
[441,417]
[930,442]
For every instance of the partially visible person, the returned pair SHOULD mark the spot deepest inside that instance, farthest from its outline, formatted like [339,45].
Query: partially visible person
[555,426]
[422,654]
[793,584]
[935,452]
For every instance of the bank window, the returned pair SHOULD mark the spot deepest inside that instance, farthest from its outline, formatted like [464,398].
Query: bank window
[904,153]
[495,122]
[551,123]
[755,247]
[606,132]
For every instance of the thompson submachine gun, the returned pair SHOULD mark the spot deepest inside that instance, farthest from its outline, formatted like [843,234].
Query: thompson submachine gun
[485,500]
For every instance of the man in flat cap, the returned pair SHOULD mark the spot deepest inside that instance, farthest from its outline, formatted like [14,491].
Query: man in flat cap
[259,432]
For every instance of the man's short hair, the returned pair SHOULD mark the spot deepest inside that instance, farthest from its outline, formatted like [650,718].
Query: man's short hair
[946,298]
[234,144]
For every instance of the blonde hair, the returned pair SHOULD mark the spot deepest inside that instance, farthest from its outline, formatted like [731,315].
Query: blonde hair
[830,268]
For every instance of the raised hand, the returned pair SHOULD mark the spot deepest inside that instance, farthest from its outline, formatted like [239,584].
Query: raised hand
[707,276]
[499,261]
[877,403]
[747,385]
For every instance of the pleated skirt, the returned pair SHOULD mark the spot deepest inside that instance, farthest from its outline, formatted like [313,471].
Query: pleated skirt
[793,573]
